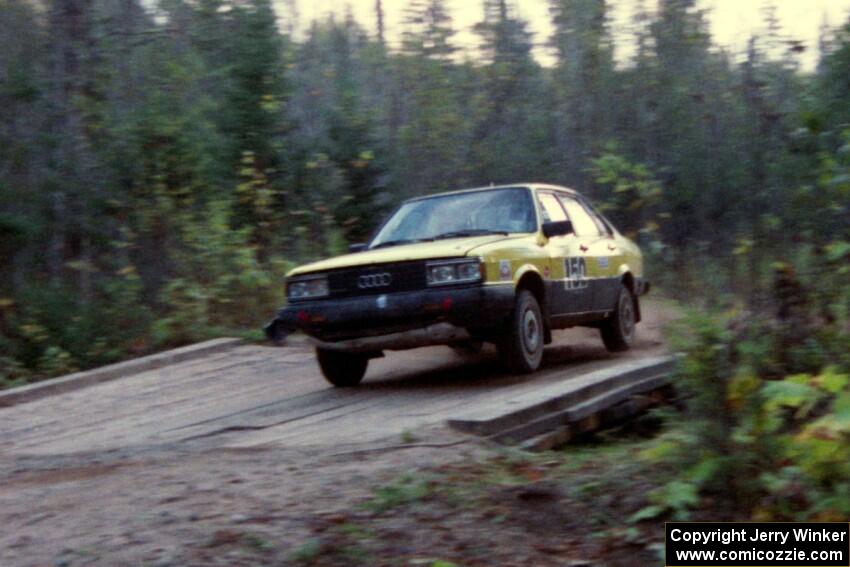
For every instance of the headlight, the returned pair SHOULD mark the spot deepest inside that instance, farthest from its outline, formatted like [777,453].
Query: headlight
[454,271]
[307,288]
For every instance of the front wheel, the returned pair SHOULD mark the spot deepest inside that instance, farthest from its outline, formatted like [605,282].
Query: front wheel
[618,330]
[342,369]
[521,348]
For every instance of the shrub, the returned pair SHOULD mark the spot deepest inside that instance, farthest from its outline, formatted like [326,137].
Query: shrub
[766,432]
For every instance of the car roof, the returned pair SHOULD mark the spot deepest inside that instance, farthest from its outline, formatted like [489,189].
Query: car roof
[546,186]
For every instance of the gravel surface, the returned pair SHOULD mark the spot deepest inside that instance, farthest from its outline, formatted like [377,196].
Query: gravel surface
[239,459]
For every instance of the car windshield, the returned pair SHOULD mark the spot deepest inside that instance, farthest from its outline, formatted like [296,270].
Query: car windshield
[490,211]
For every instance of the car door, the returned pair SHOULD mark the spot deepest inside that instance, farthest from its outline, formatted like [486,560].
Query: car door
[599,251]
[611,256]
[569,289]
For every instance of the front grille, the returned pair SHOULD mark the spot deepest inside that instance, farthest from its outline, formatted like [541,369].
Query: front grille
[407,276]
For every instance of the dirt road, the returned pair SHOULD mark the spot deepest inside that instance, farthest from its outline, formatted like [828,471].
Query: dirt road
[150,467]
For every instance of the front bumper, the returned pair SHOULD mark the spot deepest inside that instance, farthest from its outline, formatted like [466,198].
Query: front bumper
[383,318]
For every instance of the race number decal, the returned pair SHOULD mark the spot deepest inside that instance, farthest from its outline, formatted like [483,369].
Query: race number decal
[576,273]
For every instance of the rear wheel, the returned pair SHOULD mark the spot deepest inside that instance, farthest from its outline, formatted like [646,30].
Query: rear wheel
[618,330]
[342,369]
[521,349]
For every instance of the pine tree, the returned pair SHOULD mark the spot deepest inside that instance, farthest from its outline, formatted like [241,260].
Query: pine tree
[509,141]
[585,65]
[428,30]
[379,21]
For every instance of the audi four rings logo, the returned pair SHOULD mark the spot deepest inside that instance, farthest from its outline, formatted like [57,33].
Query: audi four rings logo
[374,280]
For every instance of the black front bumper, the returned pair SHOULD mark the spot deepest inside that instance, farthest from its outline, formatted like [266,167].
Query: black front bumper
[477,308]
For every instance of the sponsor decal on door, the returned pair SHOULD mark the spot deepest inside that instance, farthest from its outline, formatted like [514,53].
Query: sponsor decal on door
[505,269]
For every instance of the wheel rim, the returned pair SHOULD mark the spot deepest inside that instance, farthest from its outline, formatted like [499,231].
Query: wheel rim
[627,317]
[530,331]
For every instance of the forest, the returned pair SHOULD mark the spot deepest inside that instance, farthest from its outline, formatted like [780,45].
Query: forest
[161,168]
[163,165]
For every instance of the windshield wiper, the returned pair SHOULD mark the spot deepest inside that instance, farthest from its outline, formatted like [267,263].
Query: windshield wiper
[469,232]
[399,242]
[453,234]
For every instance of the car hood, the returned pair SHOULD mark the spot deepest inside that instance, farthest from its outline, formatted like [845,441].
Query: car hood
[449,248]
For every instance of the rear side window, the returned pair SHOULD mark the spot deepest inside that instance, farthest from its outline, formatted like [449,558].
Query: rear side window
[583,223]
[603,223]
[551,208]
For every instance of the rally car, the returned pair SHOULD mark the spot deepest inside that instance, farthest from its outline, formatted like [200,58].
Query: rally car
[504,264]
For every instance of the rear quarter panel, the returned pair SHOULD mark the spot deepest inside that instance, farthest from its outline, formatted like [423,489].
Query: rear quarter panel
[632,259]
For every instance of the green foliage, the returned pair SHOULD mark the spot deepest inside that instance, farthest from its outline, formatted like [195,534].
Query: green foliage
[758,436]
[629,194]
[307,552]
[678,496]
[257,542]
[55,361]
[219,283]
[150,192]
[407,489]
[12,373]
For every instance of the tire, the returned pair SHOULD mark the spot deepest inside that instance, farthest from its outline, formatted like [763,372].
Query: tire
[618,330]
[342,369]
[521,348]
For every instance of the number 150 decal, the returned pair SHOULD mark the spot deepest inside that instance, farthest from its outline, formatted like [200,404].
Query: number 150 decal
[576,273]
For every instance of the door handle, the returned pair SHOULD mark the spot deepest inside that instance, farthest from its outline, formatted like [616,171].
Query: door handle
[583,248]
[612,247]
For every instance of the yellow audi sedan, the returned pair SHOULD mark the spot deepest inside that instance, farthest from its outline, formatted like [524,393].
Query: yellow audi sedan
[504,264]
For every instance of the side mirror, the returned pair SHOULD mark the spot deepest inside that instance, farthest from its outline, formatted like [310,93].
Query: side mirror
[359,247]
[557,228]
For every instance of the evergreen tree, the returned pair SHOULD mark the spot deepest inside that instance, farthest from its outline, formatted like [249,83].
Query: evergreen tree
[432,137]
[511,137]
[584,68]
[428,30]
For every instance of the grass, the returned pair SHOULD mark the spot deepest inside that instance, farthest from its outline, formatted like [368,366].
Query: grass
[507,503]
[307,552]
[406,490]
[257,542]
[407,437]
[343,544]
